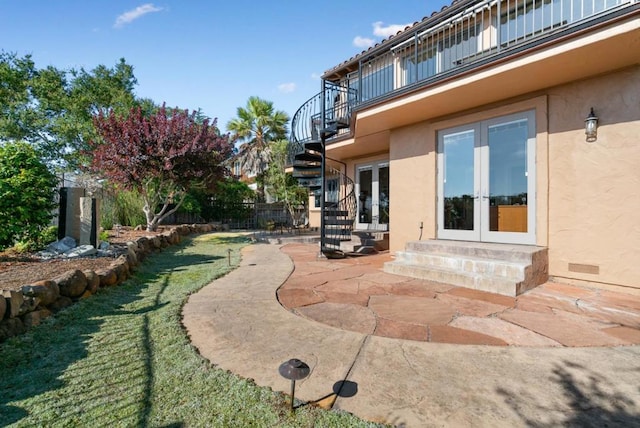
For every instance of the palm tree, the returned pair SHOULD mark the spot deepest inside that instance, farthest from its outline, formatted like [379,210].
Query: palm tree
[257,125]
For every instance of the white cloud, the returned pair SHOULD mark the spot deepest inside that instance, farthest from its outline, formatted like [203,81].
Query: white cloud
[134,14]
[286,88]
[316,76]
[385,31]
[363,42]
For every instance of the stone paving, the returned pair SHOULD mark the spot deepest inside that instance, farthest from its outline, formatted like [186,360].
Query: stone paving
[355,294]
[238,325]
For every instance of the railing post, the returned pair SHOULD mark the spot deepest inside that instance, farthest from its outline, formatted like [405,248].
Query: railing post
[323,177]
[498,28]
[359,94]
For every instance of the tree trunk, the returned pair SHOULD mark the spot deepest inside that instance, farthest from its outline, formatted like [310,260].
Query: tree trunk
[154,219]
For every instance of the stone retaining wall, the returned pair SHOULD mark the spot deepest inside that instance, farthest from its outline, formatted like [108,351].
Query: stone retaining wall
[20,310]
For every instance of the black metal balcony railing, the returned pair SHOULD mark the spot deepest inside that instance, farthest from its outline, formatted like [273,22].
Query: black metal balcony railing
[308,123]
[456,40]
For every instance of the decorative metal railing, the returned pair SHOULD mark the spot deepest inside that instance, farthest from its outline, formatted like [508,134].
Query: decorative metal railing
[307,123]
[340,209]
[456,40]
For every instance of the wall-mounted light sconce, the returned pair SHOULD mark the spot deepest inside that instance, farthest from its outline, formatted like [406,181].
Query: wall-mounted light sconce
[591,127]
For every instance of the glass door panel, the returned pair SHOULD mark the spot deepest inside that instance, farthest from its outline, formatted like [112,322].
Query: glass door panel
[486,181]
[508,177]
[365,192]
[383,193]
[458,214]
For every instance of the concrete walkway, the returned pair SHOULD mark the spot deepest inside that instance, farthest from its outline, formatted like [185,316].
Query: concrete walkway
[238,324]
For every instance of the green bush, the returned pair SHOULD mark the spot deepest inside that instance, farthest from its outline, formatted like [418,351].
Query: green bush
[123,207]
[27,190]
[44,238]
[48,235]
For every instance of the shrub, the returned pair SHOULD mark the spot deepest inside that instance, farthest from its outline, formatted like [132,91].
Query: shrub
[122,207]
[27,190]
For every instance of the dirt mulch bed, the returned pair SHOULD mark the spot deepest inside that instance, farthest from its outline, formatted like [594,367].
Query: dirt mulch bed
[17,270]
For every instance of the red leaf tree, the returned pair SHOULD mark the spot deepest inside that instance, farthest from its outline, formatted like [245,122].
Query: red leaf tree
[162,155]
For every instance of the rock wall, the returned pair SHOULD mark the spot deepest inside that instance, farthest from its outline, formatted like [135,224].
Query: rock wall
[23,309]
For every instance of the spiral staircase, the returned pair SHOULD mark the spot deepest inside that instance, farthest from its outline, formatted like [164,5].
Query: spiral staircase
[322,118]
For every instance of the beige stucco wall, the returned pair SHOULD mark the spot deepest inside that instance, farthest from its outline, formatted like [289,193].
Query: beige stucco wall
[314,213]
[588,194]
[594,192]
[412,184]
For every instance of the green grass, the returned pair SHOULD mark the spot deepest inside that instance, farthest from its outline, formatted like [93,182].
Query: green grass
[122,358]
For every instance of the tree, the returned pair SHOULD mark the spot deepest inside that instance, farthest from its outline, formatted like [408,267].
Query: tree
[27,190]
[282,185]
[161,155]
[255,127]
[53,109]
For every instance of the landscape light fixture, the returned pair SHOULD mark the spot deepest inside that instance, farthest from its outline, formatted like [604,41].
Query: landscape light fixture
[591,127]
[294,369]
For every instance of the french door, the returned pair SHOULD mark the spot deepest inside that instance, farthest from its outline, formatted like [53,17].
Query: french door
[486,180]
[372,189]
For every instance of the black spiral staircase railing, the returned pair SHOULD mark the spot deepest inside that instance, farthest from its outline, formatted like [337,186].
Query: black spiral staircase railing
[322,118]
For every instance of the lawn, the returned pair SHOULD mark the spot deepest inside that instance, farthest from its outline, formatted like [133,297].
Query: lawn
[122,358]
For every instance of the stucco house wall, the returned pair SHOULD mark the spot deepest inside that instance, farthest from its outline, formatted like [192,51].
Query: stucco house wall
[588,194]
[594,188]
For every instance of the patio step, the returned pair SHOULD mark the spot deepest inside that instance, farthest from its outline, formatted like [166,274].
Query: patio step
[496,268]
[365,241]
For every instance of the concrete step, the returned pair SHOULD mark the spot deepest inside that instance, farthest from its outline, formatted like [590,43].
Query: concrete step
[458,278]
[497,268]
[507,252]
[489,267]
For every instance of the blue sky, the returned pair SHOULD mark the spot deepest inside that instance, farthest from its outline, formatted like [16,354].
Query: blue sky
[203,54]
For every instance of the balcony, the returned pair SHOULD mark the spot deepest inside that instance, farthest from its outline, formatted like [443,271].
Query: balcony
[462,38]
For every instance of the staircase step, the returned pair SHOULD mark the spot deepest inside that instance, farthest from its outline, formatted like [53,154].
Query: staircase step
[333,212]
[340,123]
[496,268]
[484,266]
[507,252]
[316,146]
[310,182]
[461,279]
[306,172]
[338,221]
[332,241]
[332,253]
[308,157]
[357,242]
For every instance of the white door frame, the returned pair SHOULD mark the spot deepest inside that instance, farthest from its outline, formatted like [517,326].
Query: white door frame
[372,203]
[479,132]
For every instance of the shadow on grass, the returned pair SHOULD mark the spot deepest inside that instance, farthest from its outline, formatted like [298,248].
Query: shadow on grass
[74,350]
[590,400]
